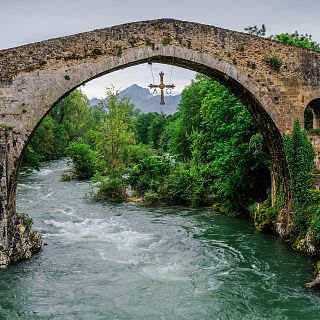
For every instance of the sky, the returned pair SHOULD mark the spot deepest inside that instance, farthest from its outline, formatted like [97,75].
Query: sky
[26,21]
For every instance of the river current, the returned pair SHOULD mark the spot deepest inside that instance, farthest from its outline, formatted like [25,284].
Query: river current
[108,261]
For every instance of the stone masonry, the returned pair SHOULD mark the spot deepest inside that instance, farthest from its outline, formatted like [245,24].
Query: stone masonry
[276,82]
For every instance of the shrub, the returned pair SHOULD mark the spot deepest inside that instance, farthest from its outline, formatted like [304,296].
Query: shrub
[186,184]
[275,63]
[152,197]
[175,186]
[31,158]
[149,173]
[315,222]
[136,153]
[111,187]
[84,159]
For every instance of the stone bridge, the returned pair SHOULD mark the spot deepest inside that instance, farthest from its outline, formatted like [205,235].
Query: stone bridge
[276,82]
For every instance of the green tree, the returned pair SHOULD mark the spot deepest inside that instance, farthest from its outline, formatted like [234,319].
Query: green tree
[115,132]
[142,126]
[156,129]
[308,118]
[298,40]
[226,152]
[73,114]
[188,117]
[43,145]
[234,147]
[69,120]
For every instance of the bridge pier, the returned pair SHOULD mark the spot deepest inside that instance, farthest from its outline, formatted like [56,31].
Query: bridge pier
[17,239]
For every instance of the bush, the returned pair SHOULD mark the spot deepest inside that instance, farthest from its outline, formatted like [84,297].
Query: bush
[175,186]
[186,184]
[136,153]
[315,222]
[310,214]
[111,187]
[275,63]
[31,158]
[152,197]
[160,179]
[84,159]
[149,173]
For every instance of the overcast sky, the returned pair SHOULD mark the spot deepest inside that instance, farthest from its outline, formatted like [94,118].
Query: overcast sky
[26,21]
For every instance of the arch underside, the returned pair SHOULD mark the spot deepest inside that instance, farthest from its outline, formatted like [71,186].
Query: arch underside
[315,107]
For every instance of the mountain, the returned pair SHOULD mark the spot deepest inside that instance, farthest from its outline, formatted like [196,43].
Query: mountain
[136,91]
[144,100]
[94,101]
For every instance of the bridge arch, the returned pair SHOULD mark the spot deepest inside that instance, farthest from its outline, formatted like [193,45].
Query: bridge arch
[312,115]
[33,78]
[248,91]
[312,125]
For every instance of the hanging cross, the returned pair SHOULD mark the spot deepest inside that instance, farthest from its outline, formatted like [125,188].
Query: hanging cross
[161,86]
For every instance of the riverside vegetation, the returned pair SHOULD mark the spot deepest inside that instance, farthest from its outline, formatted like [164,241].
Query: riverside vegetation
[210,151]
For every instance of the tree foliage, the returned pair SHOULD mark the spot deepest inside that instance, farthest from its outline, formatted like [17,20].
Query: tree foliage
[295,39]
[223,136]
[84,159]
[114,133]
[298,40]
[68,121]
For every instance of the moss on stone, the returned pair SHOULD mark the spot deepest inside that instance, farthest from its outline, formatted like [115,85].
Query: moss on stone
[167,39]
[263,217]
[150,43]
[132,41]
[225,209]
[118,51]
[275,63]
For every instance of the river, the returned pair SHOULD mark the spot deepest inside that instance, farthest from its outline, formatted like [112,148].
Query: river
[108,261]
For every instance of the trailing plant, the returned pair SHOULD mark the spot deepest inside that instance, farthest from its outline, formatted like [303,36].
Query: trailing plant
[300,158]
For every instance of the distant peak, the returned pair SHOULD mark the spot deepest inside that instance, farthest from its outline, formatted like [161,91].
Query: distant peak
[136,91]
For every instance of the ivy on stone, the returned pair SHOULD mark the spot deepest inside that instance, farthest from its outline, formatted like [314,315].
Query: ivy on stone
[300,158]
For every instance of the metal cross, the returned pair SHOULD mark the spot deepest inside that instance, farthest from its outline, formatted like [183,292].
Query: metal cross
[161,86]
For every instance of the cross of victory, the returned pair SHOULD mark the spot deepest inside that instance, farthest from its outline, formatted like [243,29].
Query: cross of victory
[161,86]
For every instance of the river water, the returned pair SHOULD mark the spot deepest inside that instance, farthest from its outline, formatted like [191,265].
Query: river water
[106,261]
